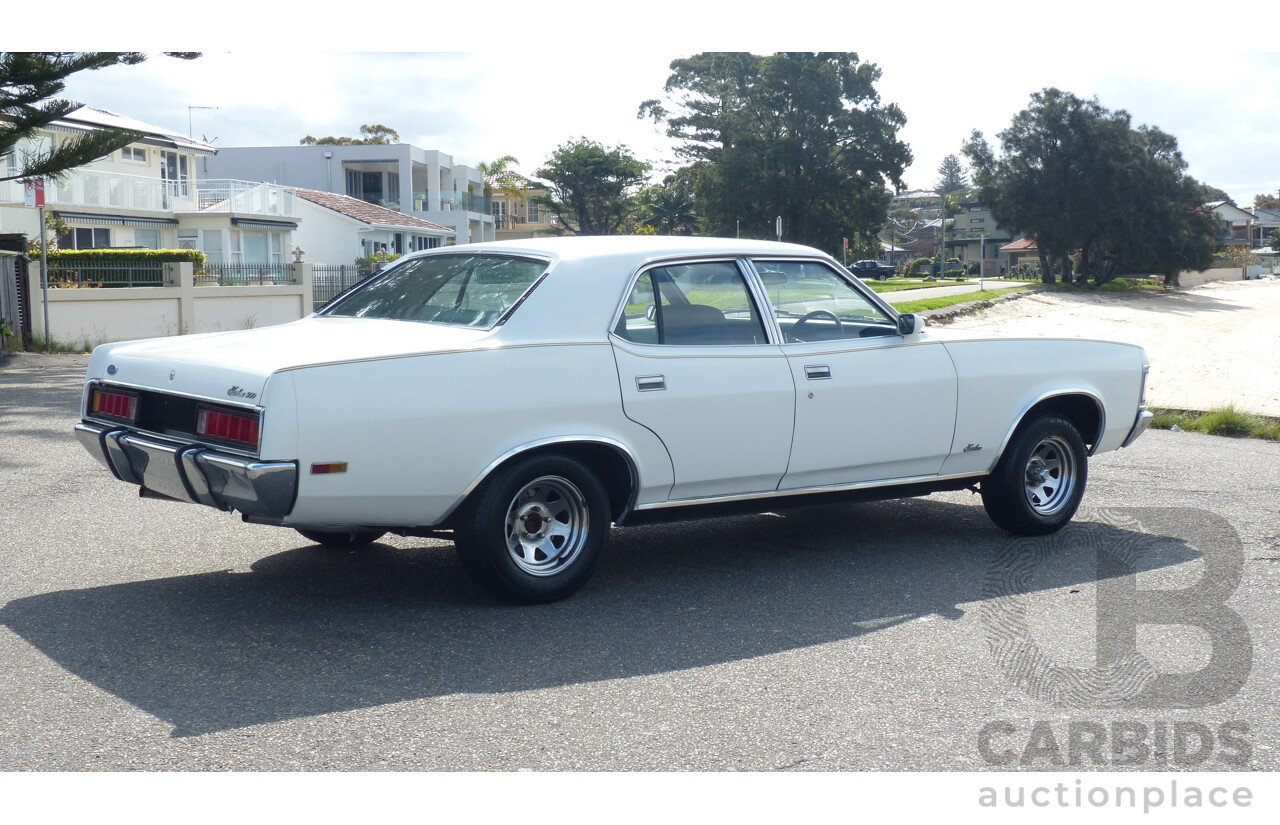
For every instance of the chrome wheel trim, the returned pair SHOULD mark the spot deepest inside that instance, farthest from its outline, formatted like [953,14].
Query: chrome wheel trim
[1050,476]
[547,525]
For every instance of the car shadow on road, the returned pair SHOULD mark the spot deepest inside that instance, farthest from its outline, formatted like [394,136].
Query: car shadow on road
[311,631]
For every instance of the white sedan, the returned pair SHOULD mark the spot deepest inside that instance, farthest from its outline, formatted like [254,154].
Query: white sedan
[521,397]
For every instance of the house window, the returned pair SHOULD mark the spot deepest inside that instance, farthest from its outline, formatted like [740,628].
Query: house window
[213,245]
[393,192]
[149,238]
[235,252]
[532,215]
[174,172]
[86,238]
[133,154]
[277,247]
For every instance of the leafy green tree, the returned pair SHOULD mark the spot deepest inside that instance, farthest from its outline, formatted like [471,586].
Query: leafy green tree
[370,134]
[1082,180]
[801,136]
[30,83]
[1265,201]
[590,188]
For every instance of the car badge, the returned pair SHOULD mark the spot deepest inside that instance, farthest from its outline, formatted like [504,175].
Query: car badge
[111,369]
[173,374]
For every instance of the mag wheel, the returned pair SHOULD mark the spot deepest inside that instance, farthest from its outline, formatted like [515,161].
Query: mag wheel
[534,534]
[1038,483]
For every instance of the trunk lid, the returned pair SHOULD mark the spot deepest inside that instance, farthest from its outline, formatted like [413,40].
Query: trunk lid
[233,367]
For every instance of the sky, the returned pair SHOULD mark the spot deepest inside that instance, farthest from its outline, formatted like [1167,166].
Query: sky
[481,81]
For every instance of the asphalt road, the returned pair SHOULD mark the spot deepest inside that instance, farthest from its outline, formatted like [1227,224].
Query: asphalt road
[138,634]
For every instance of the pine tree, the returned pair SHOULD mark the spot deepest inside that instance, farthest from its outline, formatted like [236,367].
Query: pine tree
[29,85]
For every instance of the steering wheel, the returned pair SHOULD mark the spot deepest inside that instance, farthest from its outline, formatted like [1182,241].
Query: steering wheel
[825,313]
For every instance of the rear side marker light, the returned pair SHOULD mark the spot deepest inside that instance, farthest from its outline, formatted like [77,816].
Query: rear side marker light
[227,426]
[112,404]
[328,469]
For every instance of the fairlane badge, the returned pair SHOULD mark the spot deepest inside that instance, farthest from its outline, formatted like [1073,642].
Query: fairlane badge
[240,392]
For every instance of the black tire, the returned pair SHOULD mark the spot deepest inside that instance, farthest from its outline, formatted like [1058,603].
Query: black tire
[1037,485]
[535,530]
[350,538]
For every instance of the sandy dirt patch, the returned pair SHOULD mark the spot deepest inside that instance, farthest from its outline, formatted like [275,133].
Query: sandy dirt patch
[1214,345]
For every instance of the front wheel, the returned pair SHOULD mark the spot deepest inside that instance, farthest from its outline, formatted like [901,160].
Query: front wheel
[1037,485]
[535,533]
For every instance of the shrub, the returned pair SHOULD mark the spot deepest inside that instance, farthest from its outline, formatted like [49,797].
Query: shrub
[920,266]
[88,256]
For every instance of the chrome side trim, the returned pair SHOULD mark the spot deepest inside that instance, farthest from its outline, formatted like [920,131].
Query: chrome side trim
[546,442]
[1102,417]
[801,491]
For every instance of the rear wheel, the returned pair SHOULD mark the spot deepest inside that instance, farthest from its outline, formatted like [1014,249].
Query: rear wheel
[349,538]
[535,532]
[1037,485]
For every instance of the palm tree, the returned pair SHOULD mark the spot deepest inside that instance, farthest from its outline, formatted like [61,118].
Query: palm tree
[669,208]
[499,176]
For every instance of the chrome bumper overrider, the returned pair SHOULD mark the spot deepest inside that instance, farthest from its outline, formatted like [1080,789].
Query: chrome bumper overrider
[1139,427]
[193,472]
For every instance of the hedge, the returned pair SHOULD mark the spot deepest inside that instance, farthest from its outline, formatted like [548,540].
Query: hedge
[88,256]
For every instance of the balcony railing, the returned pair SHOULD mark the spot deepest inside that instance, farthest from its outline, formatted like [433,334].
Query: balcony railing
[452,202]
[245,198]
[110,190]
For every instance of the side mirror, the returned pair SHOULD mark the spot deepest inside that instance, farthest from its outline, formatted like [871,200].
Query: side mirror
[910,324]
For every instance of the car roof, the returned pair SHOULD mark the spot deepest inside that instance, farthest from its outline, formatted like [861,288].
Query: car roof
[639,247]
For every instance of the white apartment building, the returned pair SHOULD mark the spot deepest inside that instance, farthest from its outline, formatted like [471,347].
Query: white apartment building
[148,195]
[423,183]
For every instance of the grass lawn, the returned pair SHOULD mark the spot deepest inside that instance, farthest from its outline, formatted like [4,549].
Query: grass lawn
[951,300]
[1222,421]
[897,285]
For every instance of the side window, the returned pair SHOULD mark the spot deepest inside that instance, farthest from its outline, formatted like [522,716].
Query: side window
[698,304]
[813,303]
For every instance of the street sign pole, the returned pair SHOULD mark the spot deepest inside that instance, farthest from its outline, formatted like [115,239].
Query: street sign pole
[44,268]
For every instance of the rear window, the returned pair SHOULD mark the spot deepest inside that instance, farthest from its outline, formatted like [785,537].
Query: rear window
[460,290]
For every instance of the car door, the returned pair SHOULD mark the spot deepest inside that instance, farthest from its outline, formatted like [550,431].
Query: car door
[696,366]
[871,404]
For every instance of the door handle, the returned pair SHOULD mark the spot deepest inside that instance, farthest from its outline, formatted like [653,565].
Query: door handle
[815,372]
[649,383]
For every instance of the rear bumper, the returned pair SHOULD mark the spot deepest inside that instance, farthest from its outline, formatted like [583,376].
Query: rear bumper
[193,472]
[1140,426]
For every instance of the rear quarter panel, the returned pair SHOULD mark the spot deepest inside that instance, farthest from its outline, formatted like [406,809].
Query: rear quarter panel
[418,431]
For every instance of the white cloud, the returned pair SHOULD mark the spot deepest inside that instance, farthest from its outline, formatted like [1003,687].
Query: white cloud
[538,78]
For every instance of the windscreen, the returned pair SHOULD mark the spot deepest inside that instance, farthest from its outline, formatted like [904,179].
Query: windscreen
[461,290]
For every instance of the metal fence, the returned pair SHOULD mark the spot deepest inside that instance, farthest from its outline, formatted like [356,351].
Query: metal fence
[244,274]
[106,274]
[327,282]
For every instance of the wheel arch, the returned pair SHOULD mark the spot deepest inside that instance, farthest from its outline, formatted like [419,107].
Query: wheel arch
[609,459]
[1083,408]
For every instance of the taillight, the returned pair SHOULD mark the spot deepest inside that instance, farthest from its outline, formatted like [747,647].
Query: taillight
[114,404]
[240,428]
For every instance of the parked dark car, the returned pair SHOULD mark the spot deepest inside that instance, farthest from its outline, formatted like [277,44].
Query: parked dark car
[872,270]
